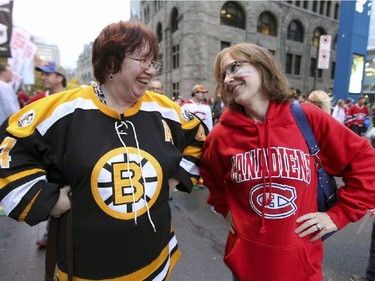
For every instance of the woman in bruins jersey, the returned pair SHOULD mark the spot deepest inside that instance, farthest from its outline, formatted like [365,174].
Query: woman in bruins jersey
[113,146]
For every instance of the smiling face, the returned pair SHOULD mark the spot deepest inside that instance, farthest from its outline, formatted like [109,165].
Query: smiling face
[241,80]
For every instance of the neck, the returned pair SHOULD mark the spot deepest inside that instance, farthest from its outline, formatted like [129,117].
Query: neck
[116,101]
[257,111]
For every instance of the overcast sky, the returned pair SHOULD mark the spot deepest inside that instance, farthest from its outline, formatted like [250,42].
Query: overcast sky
[70,24]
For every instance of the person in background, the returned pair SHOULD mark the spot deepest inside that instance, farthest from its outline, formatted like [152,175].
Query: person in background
[218,108]
[53,79]
[179,100]
[157,87]
[23,98]
[357,115]
[263,181]
[8,99]
[321,99]
[112,148]
[198,107]
[339,111]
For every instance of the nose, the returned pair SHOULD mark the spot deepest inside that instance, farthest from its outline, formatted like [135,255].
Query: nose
[228,78]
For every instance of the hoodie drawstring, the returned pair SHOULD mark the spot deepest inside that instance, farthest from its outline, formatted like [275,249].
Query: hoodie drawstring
[121,132]
[265,162]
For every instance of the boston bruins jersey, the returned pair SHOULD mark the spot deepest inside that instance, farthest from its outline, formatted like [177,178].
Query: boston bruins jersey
[117,166]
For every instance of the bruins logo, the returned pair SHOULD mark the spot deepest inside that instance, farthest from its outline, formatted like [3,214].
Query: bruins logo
[119,189]
[26,119]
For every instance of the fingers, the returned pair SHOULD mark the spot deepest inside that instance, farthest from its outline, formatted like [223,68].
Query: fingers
[315,223]
[62,204]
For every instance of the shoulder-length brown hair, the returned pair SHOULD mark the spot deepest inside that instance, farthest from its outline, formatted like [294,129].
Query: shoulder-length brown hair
[118,40]
[274,83]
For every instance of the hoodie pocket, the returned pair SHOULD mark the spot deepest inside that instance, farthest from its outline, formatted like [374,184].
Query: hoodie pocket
[251,261]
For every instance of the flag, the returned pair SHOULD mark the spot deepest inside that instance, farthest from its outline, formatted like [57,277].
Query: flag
[6,23]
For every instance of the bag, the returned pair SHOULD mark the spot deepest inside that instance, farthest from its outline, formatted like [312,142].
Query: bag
[327,186]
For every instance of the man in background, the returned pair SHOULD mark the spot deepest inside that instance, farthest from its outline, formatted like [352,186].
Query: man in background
[8,99]
[157,87]
[356,116]
[53,79]
[198,107]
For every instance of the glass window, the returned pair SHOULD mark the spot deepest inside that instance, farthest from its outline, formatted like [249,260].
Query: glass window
[315,6]
[231,14]
[328,11]
[312,67]
[337,10]
[159,32]
[322,7]
[295,32]
[176,56]
[267,24]
[316,36]
[224,45]
[305,4]
[288,63]
[174,22]
[297,64]
[175,89]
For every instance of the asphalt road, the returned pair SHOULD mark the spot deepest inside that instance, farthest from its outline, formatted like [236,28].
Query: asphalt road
[201,235]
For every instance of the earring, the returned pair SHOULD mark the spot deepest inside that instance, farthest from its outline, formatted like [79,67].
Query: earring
[111,76]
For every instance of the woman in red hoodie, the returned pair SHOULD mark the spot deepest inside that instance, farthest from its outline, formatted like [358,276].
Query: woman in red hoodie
[257,151]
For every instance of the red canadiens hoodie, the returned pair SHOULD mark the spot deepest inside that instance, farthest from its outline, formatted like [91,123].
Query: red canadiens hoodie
[263,174]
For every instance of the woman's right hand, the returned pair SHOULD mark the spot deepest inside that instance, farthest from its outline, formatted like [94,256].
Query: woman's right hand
[62,204]
[229,220]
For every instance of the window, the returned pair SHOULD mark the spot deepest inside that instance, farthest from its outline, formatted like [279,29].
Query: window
[315,6]
[295,32]
[322,7]
[305,4]
[174,21]
[224,45]
[298,3]
[328,11]
[312,67]
[288,63]
[333,66]
[160,58]
[159,32]
[297,64]
[175,89]
[176,56]
[231,14]
[337,10]
[267,24]
[316,36]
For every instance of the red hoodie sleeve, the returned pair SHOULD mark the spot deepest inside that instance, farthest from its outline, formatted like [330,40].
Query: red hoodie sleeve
[347,155]
[212,171]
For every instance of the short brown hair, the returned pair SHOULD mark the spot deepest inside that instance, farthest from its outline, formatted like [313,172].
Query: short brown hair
[274,83]
[118,40]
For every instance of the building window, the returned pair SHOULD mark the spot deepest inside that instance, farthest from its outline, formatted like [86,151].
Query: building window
[175,90]
[297,64]
[328,11]
[337,10]
[298,3]
[224,45]
[316,36]
[288,63]
[273,52]
[312,67]
[160,59]
[322,7]
[334,45]
[295,32]
[176,56]
[174,20]
[315,6]
[231,14]
[333,66]
[267,24]
[159,32]
[305,4]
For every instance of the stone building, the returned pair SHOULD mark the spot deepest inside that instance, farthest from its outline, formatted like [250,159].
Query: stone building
[191,34]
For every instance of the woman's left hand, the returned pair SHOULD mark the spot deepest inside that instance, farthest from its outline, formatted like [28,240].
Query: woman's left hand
[318,223]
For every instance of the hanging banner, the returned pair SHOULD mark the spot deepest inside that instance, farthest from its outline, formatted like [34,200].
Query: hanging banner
[324,51]
[6,23]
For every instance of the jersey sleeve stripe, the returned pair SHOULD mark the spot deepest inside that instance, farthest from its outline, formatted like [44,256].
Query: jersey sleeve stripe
[189,167]
[27,209]
[15,177]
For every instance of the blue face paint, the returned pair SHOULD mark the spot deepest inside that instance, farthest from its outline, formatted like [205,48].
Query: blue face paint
[242,74]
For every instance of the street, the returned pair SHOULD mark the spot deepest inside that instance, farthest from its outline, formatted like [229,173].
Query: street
[201,235]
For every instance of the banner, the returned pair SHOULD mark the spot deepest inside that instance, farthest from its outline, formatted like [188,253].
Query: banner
[22,61]
[324,51]
[6,23]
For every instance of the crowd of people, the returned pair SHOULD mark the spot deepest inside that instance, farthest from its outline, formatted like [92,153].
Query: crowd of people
[109,154]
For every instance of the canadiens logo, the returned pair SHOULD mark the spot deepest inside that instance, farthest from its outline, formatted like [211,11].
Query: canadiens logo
[26,119]
[121,182]
[282,204]
[186,115]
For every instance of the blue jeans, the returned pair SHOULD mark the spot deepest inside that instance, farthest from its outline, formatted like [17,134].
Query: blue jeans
[370,273]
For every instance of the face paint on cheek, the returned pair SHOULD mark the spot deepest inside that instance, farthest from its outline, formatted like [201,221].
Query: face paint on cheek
[242,74]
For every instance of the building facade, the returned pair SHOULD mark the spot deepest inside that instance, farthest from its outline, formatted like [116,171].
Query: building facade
[192,33]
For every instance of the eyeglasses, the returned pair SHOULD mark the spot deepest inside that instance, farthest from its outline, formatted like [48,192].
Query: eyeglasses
[233,67]
[147,64]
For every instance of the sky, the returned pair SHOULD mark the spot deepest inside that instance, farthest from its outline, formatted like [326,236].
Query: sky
[70,24]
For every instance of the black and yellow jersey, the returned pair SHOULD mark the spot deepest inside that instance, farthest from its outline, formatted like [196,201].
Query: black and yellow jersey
[117,166]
